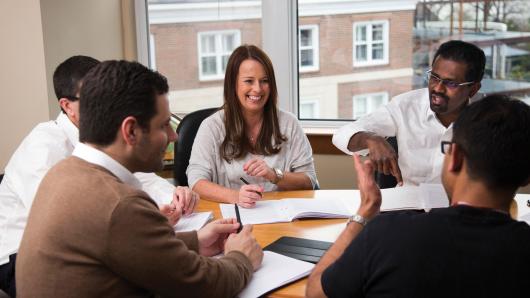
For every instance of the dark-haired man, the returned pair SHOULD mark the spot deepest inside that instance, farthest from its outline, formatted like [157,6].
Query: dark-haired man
[47,144]
[471,249]
[113,241]
[419,119]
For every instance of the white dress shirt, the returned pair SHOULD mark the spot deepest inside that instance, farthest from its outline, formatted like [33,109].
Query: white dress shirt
[410,119]
[47,144]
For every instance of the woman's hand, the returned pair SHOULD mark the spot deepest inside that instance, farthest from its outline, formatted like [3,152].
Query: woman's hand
[248,195]
[257,167]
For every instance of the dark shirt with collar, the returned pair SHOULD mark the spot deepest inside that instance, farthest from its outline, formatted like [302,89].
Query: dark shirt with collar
[459,251]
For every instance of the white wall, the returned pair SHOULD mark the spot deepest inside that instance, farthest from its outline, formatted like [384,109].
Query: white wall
[36,36]
[23,101]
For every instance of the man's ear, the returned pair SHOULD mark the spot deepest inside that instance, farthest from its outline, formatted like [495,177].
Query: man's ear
[474,89]
[456,158]
[129,130]
[64,103]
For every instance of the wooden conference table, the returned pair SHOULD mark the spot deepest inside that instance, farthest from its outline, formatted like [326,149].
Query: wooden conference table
[317,229]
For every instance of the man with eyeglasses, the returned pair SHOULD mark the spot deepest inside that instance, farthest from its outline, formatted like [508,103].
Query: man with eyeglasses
[419,119]
[47,144]
[471,249]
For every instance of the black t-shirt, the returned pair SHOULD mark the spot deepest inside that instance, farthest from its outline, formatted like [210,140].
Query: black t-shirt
[459,251]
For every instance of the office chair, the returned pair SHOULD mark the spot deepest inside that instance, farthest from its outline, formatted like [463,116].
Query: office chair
[1,177]
[187,130]
[387,181]
[2,293]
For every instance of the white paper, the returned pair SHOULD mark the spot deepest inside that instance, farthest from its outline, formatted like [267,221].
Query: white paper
[285,210]
[276,270]
[192,222]
[433,196]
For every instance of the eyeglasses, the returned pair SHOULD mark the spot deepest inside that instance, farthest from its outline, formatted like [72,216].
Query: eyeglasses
[446,146]
[434,79]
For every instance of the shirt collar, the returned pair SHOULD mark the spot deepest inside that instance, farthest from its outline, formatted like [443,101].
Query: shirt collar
[72,132]
[100,158]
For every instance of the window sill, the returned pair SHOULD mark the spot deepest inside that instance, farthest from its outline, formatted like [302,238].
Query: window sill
[320,140]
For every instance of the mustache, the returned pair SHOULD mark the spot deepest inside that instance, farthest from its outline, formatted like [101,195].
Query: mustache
[440,95]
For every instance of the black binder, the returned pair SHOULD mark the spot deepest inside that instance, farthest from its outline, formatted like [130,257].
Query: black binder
[299,248]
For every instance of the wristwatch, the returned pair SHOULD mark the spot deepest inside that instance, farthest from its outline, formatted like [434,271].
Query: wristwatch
[279,175]
[358,219]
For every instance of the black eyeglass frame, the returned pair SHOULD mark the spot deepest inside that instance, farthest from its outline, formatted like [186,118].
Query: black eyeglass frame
[444,146]
[447,83]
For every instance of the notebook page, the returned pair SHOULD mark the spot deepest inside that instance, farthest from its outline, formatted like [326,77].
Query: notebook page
[401,198]
[275,271]
[433,196]
[267,211]
[321,208]
[523,210]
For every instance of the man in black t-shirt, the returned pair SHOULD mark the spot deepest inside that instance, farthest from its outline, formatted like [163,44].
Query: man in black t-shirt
[471,249]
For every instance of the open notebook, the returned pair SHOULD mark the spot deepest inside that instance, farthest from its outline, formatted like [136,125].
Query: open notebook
[426,196]
[276,270]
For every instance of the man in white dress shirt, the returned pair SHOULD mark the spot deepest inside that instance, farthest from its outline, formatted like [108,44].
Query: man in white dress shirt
[47,144]
[419,119]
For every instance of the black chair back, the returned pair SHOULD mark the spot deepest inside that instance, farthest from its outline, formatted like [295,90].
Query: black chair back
[187,130]
[1,177]
[387,181]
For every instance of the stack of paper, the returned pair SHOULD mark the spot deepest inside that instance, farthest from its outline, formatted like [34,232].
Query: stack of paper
[192,222]
[523,207]
[276,270]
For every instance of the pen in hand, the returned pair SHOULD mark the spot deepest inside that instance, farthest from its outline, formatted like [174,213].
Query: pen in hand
[246,182]
[238,219]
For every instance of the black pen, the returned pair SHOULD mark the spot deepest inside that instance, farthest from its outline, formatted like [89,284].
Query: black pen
[246,182]
[238,218]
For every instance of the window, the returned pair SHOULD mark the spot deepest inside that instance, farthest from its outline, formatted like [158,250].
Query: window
[324,50]
[309,109]
[367,103]
[214,50]
[370,44]
[308,48]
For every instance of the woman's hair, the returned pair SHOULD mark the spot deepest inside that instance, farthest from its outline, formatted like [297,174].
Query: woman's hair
[236,144]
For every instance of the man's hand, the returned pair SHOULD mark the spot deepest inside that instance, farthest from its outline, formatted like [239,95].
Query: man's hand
[257,167]
[172,212]
[186,199]
[213,236]
[248,195]
[370,193]
[384,157]
[245,243]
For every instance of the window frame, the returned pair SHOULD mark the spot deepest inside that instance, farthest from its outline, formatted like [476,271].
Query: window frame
[369,102]
[218,54]
[369,43]
[315,47]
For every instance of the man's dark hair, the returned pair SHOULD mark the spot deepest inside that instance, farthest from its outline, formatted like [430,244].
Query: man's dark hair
[470,54]
[112,91]
[494,134]
[68,76]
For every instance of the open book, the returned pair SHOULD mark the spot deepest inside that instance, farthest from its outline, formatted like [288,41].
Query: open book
[286,210]
[276,270]
[192,222]
[425,196]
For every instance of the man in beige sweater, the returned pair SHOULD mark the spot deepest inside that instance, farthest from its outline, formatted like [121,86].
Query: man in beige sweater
[93,233]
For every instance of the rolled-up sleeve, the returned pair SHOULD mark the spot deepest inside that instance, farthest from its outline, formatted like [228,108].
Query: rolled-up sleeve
[380,122]
[300,156]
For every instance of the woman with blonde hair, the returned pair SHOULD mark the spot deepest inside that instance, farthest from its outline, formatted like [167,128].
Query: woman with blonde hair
[250,138]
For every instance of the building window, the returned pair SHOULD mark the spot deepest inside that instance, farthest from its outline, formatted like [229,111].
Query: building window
[364,104]
[215,48]
[309,109]
[308,48]
[370,43]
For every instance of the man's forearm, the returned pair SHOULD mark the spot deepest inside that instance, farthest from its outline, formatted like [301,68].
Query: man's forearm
[359,141]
